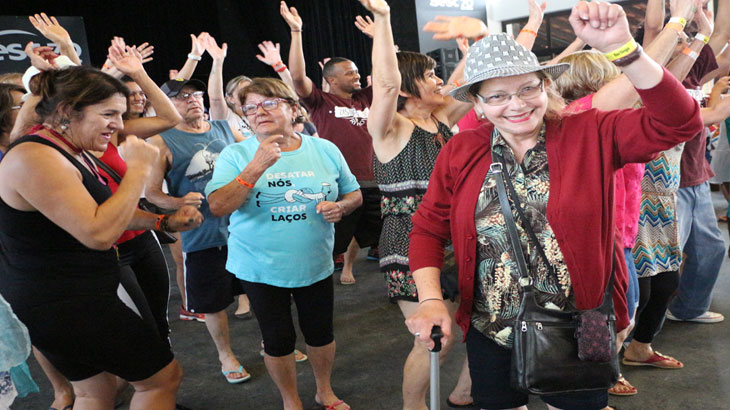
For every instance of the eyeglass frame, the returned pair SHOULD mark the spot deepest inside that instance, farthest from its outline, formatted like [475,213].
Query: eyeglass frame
[185,96]
[277,100]
[509,96]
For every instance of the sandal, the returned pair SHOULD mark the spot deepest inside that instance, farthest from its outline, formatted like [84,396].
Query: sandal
[235,380]
[656,360]
[622,388]
[335,405]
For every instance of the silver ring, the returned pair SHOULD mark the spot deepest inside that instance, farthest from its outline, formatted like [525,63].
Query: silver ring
[418,334]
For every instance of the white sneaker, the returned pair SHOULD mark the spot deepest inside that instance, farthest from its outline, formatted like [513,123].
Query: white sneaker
[707,317]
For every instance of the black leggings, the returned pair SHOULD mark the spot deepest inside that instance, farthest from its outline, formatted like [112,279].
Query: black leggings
[272,306]
[145,278]
[655,293]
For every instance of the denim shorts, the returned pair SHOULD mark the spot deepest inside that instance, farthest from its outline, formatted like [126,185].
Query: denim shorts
[489,366]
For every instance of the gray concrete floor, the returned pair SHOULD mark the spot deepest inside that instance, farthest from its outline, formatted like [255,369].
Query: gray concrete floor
[372,344]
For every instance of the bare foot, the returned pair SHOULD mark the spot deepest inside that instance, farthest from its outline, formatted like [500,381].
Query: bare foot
[347,279]
[332,404]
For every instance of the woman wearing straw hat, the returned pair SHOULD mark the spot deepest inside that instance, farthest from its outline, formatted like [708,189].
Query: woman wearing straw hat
[569,159]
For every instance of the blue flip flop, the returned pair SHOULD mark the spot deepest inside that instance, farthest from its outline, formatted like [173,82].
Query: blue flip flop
[235,380]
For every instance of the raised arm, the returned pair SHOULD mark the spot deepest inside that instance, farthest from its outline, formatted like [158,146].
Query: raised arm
[196,51]
[218,106]
[386,80]
[528,34]
[682,64]
[653,20]
[721,35]
[153,191]
[620,92]
[49,27]
[129,62]
[271,56]
[302,84]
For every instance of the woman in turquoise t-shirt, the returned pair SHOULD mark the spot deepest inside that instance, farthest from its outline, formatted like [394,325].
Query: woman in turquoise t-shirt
[284,192]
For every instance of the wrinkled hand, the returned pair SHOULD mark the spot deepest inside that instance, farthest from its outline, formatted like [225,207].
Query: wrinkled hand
[145,51]
[682,8]
[449,28]
[42,58]
[185,219]
[703,18]
[602,26]
[198,47]
[138,154]
[429,314]
[127,60]
[330,211]
[194,199]
[366,25]
[269,151]
[211,46]
[291,16]
[271,53]
[49,27]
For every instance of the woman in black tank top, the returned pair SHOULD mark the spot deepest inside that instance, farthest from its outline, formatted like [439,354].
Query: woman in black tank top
[58,224]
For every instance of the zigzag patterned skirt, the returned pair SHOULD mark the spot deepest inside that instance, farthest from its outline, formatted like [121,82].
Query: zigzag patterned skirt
[657,243]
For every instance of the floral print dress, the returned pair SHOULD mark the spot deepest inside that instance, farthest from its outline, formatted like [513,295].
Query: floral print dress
[403,182]
[497,295]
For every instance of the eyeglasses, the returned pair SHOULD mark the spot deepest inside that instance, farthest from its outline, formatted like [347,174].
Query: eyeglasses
[185,96]
[268,105]
[526,93]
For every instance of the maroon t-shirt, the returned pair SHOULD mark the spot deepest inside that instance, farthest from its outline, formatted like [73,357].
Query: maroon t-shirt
[344,122]
[694,168]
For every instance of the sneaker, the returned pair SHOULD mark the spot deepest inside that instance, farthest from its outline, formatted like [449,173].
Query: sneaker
[707,317]
[187,315]
[373,254]
[339,261]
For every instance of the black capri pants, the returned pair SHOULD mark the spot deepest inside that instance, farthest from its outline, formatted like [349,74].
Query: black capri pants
[272,306]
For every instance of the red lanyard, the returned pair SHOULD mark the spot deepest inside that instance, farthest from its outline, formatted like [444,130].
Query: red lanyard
[73,148]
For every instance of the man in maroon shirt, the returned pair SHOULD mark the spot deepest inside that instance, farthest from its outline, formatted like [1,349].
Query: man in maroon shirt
[700,238]
[341,117]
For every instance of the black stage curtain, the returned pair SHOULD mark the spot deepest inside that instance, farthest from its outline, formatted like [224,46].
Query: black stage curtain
[329,30]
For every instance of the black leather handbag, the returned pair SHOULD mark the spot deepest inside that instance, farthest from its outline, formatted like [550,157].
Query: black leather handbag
[545,357]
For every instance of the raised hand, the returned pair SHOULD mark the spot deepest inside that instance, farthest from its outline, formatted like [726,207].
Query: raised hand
[145,50]
[127,60]
[41,58]
[49,27]
[198,47]
[537,11]
[211,46]
[325,84]
[379,7]
[703,18]
[291,16]
[463,44]
[271,53]
[682,8]
[602,26]
[449,28]
[366,25]
[173,74]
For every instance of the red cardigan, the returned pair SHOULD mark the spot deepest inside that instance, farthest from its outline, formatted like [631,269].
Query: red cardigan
[584,150]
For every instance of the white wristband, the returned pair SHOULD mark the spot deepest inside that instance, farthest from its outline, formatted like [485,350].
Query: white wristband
[194,57]
[679,20]
[701,37]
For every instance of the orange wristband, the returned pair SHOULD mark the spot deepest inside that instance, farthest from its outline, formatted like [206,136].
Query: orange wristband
[690,53]
[158,223]
[244,183]
[675,26]
[525,30]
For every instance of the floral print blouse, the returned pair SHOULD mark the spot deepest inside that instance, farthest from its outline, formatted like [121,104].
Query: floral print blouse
[497,295]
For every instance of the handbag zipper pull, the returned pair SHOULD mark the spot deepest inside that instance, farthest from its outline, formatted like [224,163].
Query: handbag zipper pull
[524,326]
[539,326]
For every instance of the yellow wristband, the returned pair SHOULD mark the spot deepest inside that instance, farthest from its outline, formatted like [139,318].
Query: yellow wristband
[703,38]
[622,51]
[681,20]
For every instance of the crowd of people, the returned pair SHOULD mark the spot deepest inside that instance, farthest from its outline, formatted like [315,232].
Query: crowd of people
[609,187]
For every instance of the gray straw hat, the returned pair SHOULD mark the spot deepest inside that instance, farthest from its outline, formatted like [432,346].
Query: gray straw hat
[499,55]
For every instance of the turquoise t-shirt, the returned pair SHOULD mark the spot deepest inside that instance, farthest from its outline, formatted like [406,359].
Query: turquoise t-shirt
[276,237]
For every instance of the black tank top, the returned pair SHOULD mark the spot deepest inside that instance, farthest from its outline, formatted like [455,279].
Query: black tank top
[40,262]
